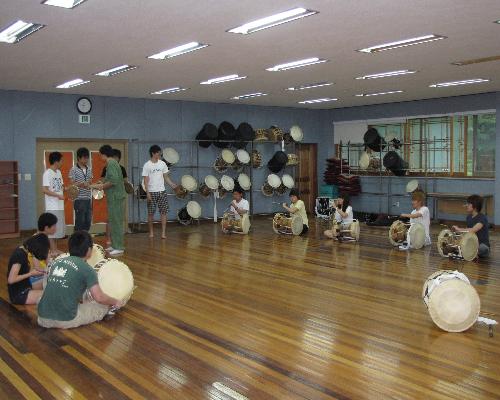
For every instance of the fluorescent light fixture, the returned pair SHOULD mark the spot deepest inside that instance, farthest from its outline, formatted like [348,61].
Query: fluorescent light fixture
[18,31]
[296,64]
[248,96]
[387,74]
[378,94]
[314,101]
[309,86]
[497,22]
[63,3]
[117,70]
[402,43]
[273,20]
[457,83]
[177,51]
[170,90]
[222,79]
[72,84]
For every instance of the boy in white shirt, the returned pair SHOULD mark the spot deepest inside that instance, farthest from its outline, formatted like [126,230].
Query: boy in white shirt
[239,205]
[420,213]
[343,213]
[53,189]
[155,174]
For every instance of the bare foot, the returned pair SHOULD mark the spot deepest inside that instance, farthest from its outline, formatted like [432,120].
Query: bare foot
[151,235]
[163,236]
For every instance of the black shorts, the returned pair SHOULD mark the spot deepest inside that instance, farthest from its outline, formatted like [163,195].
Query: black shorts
[305,228]
[21,297]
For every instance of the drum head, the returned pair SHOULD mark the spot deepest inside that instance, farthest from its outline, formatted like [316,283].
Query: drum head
[396,226]
[364,160]
[443,238]
[296,133]
[354,228]
[170,155]
[288,181]
[115,279]
[227,183]
[417,235]
[245,223]
[97,194]
[189,183]
[297,224]
[244,181]
[243,156]
[454,305]
[193,209]
[228,156]
[212,182]
[273,180]
[412,186]
[469,245]
[98,254]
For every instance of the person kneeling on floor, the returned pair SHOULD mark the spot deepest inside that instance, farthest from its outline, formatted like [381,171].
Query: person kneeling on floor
[68,280]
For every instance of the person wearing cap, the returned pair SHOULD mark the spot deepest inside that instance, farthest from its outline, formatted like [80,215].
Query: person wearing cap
[239,205]
[298,207]
[155,174]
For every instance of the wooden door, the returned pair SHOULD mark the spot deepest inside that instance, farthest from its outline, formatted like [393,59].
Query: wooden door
[307,174]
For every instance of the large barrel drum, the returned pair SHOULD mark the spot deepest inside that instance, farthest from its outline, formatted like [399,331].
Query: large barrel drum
[373,140]
[277,162]
[207,135]
[394,163]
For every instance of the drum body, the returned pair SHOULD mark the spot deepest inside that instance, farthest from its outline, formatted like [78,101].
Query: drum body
[394,163]
[267,189]
[452,302]
[210,184]
[180,192]
[281,190]
[72,192]
[205,190]
[286,225]
[261,135]
[397,232]
[207,135]
[277,162]
[224,161]
[462,245]
[115,279]
[414,234]
[275,134]
[293,159]
[230,224]
[373,140]
[256,159]
[183,216]
[345,231]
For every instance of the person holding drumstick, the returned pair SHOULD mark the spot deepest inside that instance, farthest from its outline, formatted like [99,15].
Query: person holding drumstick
[298,207]
[343,213]
[239,205]
[420,213]
[477,223]
[155,174]
[68,279]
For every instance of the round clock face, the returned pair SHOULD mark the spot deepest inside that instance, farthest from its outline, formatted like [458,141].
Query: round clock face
[84,105]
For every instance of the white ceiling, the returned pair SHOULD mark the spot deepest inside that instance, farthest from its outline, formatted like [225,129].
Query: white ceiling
[101,34]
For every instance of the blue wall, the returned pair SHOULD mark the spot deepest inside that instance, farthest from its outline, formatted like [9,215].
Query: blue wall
[395,185]
[25,116]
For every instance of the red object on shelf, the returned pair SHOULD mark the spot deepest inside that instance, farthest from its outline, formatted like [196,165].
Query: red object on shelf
[338,173]
[9,200]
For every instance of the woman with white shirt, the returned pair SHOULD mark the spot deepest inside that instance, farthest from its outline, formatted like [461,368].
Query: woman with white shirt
[343,213]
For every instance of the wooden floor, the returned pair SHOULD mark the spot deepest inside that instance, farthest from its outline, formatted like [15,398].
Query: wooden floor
[262,316]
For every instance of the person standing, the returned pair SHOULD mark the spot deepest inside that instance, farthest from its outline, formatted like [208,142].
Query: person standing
[81,176]
[115,200]
[53,189]
[155,174]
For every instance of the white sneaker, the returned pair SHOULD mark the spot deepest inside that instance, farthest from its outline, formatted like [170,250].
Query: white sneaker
[404,247]
[116,252]
[109,248]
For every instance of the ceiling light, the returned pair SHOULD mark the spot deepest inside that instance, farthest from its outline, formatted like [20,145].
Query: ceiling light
[296,64]
[117,70]
[378,94]
[497,22]
[313,101]
[273,20]
[222,79]
[309,86]
[18,31]
[402,43]
[476,61]
[457,83]
[248,96]
[72,84]
[170,90]
[63,3]
[177,51]
[387,74]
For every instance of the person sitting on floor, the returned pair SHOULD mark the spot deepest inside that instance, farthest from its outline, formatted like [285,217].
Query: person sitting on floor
[298,207]
[343,213]
[24,263]
[69,278]
[420,213]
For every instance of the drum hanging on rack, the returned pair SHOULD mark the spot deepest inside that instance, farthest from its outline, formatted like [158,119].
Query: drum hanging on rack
[230,224]
[364,160]
[225,134]
[210,184]
[348,231]
[226,185]
[412,186]
[451,300]
[261,135]
[414,233]
[115,279]
[188,184]
[207,135]
[273,181]
[191,211]
[394,163]
[256,159]
[277,162]
[242,159]
[288,181]
[275,134]
[171,156]
[129,188]
[244,181]
[244,134]
[280,190]
[293,159]
[224,161]
[462,245]
[324,207]
[373,140]
[284,224]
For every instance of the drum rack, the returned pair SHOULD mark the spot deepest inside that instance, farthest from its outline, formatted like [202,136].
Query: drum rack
[138,155]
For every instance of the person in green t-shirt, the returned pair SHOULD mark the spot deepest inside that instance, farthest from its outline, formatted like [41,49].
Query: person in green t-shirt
[68,280]
[115,199]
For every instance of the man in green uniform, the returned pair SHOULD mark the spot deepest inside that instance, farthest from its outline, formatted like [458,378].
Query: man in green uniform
[115,199]
[68,279]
